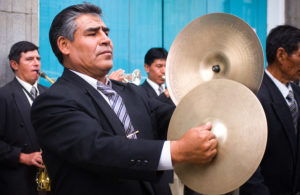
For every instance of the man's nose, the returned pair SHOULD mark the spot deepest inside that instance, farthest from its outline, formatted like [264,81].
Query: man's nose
[163,70]
[105,39]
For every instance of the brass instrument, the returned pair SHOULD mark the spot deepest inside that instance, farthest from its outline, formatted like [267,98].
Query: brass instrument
[42,178]
[134,77]
[42,74]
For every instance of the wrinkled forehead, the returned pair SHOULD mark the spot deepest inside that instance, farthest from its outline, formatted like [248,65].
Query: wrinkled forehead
[88,21]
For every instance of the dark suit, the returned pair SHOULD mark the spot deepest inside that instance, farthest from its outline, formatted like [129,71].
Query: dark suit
[84,144]
[280,166]
[16,135]
[151,93]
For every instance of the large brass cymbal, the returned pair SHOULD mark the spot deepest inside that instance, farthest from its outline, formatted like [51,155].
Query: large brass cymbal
[217,45]
[240,126]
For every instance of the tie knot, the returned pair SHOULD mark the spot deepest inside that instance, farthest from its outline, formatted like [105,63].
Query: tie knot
[33,92]
[105,89]
[290,96]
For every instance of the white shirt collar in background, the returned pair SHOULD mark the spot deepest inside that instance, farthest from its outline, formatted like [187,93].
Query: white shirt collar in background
[155,86]
[284,90]
[28,87]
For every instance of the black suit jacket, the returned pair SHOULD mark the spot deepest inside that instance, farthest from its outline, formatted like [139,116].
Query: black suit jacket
[16,135]
[151,93]
[84,144]
[280,168]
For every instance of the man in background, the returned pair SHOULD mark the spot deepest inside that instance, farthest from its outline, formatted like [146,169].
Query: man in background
[279,171]
[20,154]
[155,65]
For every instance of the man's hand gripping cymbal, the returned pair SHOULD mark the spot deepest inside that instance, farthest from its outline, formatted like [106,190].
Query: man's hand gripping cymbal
[197,146]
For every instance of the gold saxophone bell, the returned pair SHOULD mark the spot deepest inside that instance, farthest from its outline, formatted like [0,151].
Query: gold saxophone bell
[134,77]
[42,180]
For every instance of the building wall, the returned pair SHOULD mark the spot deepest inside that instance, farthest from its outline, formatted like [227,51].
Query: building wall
[292,12]
[19,20]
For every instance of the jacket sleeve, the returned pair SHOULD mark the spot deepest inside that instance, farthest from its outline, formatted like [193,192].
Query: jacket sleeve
[9,155]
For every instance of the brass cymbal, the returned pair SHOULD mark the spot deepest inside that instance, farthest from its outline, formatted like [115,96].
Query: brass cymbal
[213,46]
[240,126]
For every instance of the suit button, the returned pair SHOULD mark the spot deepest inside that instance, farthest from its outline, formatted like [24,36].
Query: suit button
[132,162]
[145,162]
[138,162]
[21,125]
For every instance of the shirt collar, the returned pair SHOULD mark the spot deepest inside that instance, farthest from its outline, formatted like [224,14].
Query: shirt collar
[283,88]
[155,86]
[90,80]
[26,85]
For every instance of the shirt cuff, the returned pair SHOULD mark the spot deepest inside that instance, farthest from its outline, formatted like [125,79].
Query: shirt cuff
[165,161]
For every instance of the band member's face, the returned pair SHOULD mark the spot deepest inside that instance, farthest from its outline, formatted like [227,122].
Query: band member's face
[28,67]
[156,71]
[91,51]
[291,66]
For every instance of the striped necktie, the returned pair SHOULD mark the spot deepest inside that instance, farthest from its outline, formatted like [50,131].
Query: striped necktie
[160,89]
[116,103]
[293,108]
[33,92]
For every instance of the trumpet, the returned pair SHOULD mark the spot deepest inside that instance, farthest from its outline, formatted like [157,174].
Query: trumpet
[134,77]
[42,74]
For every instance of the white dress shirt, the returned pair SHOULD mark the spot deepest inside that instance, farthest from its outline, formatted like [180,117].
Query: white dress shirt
[28,87]
[283,88]
[155,86]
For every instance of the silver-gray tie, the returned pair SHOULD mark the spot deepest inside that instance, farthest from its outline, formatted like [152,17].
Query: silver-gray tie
[293,108]
[33,92]
[116,103]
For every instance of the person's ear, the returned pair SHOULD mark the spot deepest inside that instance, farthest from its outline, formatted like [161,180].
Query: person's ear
[147,67]
[14,65]
[63,45]
[281,54]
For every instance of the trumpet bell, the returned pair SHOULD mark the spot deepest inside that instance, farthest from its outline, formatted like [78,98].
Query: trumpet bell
[134,77]
[214,46]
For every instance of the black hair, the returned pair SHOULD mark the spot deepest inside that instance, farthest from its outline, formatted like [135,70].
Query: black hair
[64,24]
[155,53]
[285,36]
[18,48]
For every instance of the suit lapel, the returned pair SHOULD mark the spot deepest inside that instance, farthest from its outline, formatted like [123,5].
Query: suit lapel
[23,106]
[283,113]
[149,89]
[100,101]
[129,103]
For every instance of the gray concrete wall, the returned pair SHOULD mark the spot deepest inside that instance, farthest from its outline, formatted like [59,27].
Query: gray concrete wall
[292,12]
[19,20]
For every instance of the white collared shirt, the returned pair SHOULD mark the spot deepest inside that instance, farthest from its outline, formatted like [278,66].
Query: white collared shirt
[28,87]
[155,86]
[165,161]
[283,88]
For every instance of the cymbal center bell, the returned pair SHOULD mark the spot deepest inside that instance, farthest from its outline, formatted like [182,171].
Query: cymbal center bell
[219,129]
[214,65]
